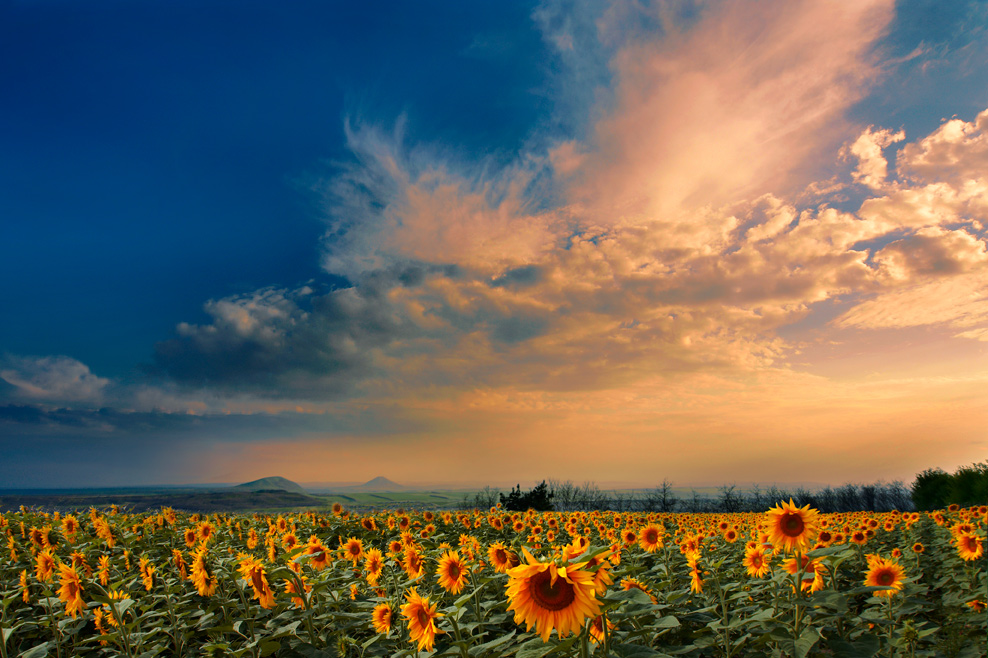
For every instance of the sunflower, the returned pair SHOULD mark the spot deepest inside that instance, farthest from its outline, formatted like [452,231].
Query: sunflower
[452,572]
[373,565]
[71,590]
[44,565]
[206,530]
[252,570]
[204,580]
[597,629]
[289,541]
[629,583]
[381,618]
[147,573]
[413,563]
[70,525]
[190,537]
[320,554]
[790,527]
[813,571]
[500,557]
[353,549]
[547,596]
[969,547]
[291,589]
[421,620]
[696,580]
[25,591]
[757,563]
[884,573]
[650,538]
[918,547]
[976,605]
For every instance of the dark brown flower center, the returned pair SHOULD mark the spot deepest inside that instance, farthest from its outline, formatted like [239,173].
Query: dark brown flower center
[424,618]
[453,571]
[651,536]
[885,578]
[549,596]
[792,525]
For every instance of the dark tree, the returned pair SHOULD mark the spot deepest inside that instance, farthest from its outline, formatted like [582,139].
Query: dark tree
[539,499]
[931,489]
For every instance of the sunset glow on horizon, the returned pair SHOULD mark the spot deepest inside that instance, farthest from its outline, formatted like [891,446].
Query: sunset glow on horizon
[619,242]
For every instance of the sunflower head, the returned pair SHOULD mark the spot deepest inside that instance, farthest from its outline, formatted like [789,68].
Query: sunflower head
[792,528]
[884,573]
[550,596]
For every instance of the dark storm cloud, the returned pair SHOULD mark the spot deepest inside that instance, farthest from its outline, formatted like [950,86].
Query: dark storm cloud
[256,341]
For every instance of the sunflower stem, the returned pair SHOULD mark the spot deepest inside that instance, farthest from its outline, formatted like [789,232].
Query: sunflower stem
[459,638]
[54,627]
[797,602]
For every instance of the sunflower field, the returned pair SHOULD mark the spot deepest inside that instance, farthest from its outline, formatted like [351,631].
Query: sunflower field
[486,583]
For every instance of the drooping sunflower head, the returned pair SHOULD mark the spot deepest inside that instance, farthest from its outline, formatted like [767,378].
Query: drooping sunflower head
[792,528]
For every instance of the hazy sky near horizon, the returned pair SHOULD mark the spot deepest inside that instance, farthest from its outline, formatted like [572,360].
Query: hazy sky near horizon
[623,241]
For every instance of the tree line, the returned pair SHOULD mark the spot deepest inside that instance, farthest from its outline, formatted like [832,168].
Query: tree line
[932,489]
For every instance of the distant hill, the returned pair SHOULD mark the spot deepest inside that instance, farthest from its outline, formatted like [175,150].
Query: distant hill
[275,483]
[378,484]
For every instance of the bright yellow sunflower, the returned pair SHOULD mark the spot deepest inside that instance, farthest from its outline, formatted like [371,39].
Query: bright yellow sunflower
[792,528]
[202,577]
[44,565]
[757,563]
[381,618]
[500,557]
[885,573]
[71,590]
[546,595]
[320,555]
[373,565]
[630,583]
[252,571]
[353,550]
[969,547]
[421,620]
[413,563]
[452,572]
[650,537]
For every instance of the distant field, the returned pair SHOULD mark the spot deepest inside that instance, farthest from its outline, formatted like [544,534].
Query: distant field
[229,501]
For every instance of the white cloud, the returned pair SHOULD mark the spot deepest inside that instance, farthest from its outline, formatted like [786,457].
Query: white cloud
[54,379]
[872,169]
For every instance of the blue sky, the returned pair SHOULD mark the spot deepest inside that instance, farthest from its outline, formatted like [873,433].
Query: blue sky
[235,232]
